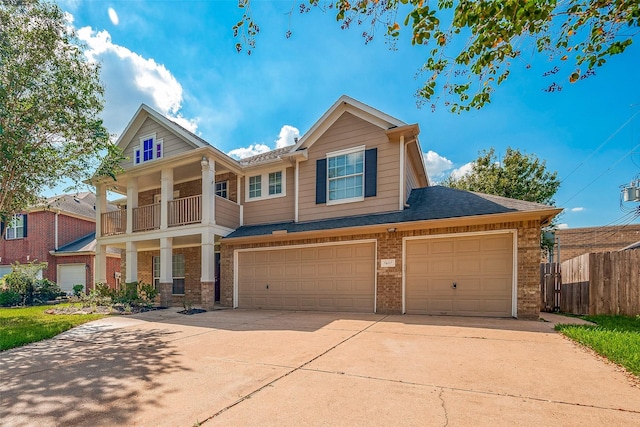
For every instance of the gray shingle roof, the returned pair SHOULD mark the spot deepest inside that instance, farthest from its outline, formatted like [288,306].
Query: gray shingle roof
[84,244]
[81,204]
[429,203]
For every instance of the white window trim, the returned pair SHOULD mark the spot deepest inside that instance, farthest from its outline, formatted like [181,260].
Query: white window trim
[157,198]
[153,272]
[264,185]
[361,148]
[139,149]
[10,226]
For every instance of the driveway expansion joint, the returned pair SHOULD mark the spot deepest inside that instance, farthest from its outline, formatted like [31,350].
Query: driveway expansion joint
[286,374]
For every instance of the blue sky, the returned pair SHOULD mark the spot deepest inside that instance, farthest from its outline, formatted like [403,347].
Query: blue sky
[179,57]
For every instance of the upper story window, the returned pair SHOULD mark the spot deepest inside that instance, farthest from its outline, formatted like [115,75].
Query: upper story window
[17,227]
[265,185]
[275,183]
[221,189]
[150,148]
[346,176]
[345,173]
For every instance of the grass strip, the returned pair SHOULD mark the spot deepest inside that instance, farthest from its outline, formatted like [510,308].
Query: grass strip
[24,325]
[615,337]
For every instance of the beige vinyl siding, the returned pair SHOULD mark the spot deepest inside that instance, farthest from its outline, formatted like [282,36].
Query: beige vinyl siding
[270,210]
[347,132]
[411,178]
[171,143]
[227,213]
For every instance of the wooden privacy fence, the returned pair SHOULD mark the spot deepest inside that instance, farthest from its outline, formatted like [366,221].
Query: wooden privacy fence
[602,283]
[550,281]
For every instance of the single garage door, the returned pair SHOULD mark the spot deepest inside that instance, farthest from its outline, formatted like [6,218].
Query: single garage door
[71,274]
[464,276]
[327,278]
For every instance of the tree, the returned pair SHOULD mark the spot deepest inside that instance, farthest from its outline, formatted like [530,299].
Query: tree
[471,43]
[50,100]
[517,176]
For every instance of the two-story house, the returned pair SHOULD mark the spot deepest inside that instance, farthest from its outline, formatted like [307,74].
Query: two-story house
[60,232]
[344,220]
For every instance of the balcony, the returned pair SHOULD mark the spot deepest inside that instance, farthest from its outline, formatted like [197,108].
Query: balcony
[181,212]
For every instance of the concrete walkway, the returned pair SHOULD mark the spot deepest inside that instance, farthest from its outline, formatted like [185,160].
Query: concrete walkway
[236,367]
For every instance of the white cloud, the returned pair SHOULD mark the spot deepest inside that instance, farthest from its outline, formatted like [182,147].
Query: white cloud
[436,164]
[563,226]
[288,136]
[113,16]
[252,150]
[578,209]
[130,80]
[462,170]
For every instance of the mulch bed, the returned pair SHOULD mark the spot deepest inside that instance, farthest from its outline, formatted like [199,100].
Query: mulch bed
[192,311]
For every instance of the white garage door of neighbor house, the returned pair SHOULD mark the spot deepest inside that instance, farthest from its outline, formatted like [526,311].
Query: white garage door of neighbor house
[465,276]
[337,277]
[71,274]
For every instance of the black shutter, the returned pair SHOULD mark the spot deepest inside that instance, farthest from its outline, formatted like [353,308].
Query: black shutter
[2,229]
[24,224]
[321,181]
[370,172]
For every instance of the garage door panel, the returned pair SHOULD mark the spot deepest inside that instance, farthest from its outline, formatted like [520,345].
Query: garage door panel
[70,275]
[482,267]
[331,278]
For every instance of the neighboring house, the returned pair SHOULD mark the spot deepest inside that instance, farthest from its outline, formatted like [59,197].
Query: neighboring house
[344,220]
[577,241]
[60,232]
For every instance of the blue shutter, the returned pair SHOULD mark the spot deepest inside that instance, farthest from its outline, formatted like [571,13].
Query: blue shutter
[321,181]
[370,172]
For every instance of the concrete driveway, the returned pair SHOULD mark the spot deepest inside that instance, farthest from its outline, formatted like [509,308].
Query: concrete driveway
[236,367]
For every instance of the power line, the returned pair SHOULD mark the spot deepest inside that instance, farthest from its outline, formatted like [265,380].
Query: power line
[606,141]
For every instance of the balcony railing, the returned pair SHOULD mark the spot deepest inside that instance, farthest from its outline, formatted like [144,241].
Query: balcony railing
[146,217]
[187,210]
[114,223]
[183,211]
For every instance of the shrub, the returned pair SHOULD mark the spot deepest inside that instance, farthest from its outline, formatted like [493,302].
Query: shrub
[46,290]
[9,298]
[78,289]
[21,283]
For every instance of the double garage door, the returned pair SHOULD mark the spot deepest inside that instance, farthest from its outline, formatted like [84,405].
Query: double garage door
[339,277]
[468,275]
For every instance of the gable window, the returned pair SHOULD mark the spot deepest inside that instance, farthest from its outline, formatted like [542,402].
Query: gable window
[177,261]
[150,148]
[221,189]
[266,185]
[275,183]
[347,176]
[17,227]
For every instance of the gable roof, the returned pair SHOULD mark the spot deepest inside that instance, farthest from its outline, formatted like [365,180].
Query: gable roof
[428,203]
[80,204]
[264,157]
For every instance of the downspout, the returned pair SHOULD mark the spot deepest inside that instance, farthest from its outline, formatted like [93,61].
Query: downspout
[55,244]
[296,188]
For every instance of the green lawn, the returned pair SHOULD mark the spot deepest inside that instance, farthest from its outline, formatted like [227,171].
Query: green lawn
[20,326]
[615,337]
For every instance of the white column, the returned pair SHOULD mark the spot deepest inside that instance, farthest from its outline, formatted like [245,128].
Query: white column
[100,267]
[207,261]
[166,260]
[208,190]
[132,202]
[166,194]
[132,262]
[101,207]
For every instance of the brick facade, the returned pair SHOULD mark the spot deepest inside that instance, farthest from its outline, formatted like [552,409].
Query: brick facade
[192,286]
[389,246]
[40,241]
[578,241]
